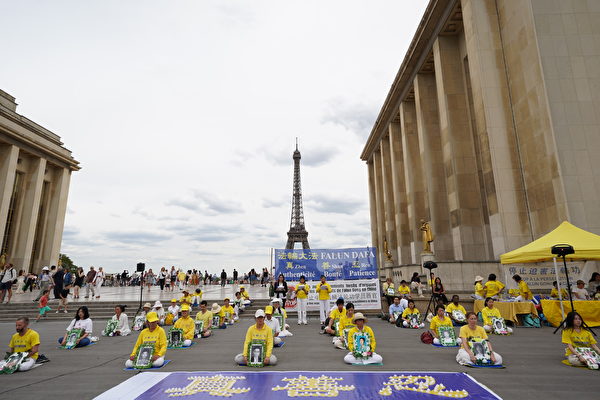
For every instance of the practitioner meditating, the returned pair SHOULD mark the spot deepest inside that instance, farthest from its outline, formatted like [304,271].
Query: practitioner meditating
[440,319]
[273,324]
[122,328]
[361,343]
[473,332]
[456,312]
[488,312]
[245,296]
[410,316]
[227,312]
[25,340]
[259,332]
[81,321]
[345,323]
[206,317]
[172,313]
[279,310]
[576,335]
[186,323]
[155,335]
[395,311]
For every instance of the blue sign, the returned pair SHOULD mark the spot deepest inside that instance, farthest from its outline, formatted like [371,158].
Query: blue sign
[289,384]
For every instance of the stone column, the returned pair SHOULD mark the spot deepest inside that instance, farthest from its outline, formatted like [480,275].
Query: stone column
[32,188]
[509,223]
[373,205]
[388,195]
[399,186]
[462,182]
[413,175]
[9,155]
[432,159]
[56,217]
[380,207]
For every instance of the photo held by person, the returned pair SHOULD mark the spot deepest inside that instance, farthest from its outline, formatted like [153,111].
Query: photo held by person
[186,323]
[206,317]
[82,322]
[122,323]
[362,343]
[259,333]
[456,311]
[152,335]
[473,337]
[411,316]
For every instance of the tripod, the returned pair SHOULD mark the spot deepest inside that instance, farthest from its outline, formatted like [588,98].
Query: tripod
[140,268]
[562,250]
[430,265]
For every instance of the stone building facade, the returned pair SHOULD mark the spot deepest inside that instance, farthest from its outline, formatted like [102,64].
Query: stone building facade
[490,130]
[35,171]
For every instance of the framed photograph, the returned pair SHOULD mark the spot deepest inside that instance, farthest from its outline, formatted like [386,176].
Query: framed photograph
[138,322]
[344,335]
[175,337]
[362,345]
[458,316]
[13,362]
[447,335]
[336,327]
[111,327]
[391,291]
[216,321]
[499,326]
[198,328]
[256,353]
[143,358]
[281,321]
[72,337]
[227,318]
[415,320]
[481,351]
[592,359]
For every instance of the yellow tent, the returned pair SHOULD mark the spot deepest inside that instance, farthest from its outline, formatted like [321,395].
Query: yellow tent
[585,244]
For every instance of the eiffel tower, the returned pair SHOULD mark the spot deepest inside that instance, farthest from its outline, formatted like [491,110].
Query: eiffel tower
[297,232]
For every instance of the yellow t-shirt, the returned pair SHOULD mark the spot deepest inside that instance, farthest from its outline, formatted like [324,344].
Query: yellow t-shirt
[493,288]
[188,326]
[583,338]
[181,276]
[554,293]
[403,290]
[226,310]
[368,331]
[300,293]
[206,318]
[469,334]
[337,314]
[323,289]
[487,314]
[266,334]
[524,290]
[479,289]
[24,343]
[345,323]
[245,295]
[186,299]
[436,323]
[157,337]
[388,289]
[408,311]
[451,307]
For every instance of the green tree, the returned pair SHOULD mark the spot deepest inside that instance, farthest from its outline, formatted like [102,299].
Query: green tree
[67,263]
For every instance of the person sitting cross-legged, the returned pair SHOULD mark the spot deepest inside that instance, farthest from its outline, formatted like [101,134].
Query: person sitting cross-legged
[206,316]
[258,331]
[186,323]
[454,305]
[152,334]
[471,332]
[345,323]
[25,340]
[245,296]
[488,312]
[273,324]
[576,335]
[227,312]
[367,350]
[440,319]
[409,313]
[335,315]
[395,311]
[82,321]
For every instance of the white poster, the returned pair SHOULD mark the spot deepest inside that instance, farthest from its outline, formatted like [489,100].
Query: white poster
[363,293]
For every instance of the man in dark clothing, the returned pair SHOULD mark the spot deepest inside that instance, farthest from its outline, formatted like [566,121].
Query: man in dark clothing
[89,278]
[223,277]
[58,282]
[235,276]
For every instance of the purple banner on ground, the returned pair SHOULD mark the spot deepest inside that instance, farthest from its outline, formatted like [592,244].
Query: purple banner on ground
[341,385]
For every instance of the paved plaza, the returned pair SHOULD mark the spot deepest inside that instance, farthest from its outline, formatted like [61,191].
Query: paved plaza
[532,358]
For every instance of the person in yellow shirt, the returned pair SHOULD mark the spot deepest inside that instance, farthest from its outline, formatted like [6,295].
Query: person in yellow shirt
[479,290]
[406,314]
[389,291]
[152,334]
[187,298]
[440,319]
[488,312]
[524,292]
[323,291]
[181,278]
[186,323]
[493,287]
[345,323]
[361,340]
[258,331]
[576,335]
[554,292]
[227,312]
[460,317]
[302,290]
[403,289]
[335,315]
[197,297]
[25,340]
[205,316]
[469,332]
[245,295]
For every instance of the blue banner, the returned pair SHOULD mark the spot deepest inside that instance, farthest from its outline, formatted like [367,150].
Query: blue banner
[341,385]
[358,263]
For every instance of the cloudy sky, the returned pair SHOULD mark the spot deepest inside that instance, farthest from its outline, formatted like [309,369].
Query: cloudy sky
[184,116]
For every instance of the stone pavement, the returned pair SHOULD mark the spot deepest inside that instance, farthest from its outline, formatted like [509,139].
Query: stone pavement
[532,357]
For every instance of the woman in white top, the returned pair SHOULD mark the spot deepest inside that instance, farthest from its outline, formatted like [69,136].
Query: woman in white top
[160,312]
[81,321]
[123,326]
[98,281]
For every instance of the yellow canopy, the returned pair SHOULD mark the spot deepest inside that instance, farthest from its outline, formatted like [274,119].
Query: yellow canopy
[585,244]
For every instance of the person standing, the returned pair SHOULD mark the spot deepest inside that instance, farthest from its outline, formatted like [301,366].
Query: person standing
[223,278]
[235,276]
[9,275]
[98,281]
[58,279]
[162,278]
[89,280]
[302,290]
[323,291]
[44,282]
[280,289]
[79,278]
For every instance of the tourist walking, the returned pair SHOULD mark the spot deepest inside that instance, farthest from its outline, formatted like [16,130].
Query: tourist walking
[78,284]
[162,278]
[89,280]
[98,281]
[223,278]
[45,282]
[9,275]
